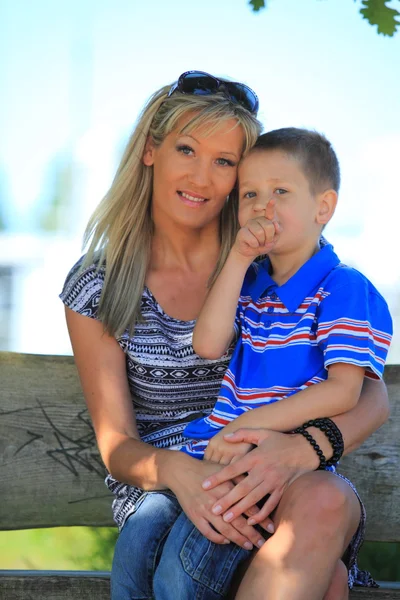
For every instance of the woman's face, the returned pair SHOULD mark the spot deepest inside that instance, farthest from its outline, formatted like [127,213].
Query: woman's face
[194,173]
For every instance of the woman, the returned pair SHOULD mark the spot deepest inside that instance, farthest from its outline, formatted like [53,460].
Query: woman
[158,238]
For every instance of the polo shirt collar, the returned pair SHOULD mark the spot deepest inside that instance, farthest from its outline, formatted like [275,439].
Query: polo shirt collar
[298,287]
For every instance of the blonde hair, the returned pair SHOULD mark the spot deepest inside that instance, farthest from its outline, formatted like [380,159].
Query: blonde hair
[119,232]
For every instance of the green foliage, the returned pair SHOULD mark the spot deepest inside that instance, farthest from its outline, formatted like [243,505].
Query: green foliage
[92,548]
[381,559]
[257,4]
[101,555]
[376,12]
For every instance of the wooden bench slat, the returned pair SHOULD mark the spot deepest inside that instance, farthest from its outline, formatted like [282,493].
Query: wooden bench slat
[54,475]
[54,585]
[92,585]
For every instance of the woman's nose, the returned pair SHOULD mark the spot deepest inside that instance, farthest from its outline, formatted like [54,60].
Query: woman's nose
[200,174]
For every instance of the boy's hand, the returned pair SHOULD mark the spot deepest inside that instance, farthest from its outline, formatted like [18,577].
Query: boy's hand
[259,235]
[222,452]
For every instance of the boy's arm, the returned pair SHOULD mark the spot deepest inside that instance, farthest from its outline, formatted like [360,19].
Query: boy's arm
[214,327]
[338,394]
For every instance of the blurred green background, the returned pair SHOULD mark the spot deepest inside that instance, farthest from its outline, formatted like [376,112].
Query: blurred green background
[91,548]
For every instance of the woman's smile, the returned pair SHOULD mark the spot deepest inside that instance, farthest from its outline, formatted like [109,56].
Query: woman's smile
[192,199]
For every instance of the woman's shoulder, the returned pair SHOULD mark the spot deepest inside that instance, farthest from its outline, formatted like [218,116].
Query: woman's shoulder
[83,285]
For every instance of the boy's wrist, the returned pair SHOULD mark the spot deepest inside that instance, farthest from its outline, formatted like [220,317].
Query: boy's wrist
[240,259]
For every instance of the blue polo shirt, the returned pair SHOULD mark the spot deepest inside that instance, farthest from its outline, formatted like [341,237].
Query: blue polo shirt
[325,313]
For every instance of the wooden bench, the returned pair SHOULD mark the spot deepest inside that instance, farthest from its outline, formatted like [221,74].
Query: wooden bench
[52,474]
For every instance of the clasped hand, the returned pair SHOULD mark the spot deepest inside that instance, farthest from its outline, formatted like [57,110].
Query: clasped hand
[266,470]
[259,235]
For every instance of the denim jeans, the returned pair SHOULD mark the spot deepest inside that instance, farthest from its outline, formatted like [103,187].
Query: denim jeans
[161,555]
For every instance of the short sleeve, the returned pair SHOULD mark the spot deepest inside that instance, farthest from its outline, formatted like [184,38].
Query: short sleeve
[354,324]
[82,289]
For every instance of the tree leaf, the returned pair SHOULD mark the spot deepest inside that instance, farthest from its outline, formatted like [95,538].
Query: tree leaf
[377,13]
[257,4]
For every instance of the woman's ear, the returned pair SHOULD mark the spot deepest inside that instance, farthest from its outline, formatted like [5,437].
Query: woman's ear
[148,154]
[326,206]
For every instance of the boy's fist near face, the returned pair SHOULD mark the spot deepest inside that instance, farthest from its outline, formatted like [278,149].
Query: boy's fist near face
[259,234]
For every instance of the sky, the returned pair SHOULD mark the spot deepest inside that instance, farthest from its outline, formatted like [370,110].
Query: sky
[74,76]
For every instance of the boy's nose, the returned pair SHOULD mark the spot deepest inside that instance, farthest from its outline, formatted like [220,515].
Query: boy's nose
[261,203]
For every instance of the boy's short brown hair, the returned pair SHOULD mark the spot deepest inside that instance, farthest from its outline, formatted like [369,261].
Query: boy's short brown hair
[313,151]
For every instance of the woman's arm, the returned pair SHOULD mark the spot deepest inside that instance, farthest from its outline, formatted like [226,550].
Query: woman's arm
[280,458]
[101,365]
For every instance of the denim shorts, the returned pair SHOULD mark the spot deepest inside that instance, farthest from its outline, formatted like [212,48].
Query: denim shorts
[161,554]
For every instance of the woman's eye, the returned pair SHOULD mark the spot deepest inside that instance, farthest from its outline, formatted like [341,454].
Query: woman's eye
[224,162]
[249,195]
[185,149]
[280,191]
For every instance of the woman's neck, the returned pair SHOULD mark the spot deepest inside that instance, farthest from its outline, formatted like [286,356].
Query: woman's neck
[184,249]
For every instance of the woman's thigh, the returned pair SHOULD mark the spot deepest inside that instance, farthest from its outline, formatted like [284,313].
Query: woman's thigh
[139,546]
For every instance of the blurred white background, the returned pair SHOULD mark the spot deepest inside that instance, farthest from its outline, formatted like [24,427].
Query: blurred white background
[74,76]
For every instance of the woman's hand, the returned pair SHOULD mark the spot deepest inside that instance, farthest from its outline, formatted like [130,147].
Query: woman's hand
[269,469]
[197,503]
[222,452]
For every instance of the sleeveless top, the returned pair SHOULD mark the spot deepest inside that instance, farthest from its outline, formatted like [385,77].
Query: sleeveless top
[169,383]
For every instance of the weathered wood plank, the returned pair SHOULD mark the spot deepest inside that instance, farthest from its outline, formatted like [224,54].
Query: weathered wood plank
[54,474]
[48,452]
[375,469]
[54,585]
[64,585]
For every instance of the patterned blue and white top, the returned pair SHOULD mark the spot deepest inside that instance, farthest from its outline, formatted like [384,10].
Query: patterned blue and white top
[325,313]
[170,384]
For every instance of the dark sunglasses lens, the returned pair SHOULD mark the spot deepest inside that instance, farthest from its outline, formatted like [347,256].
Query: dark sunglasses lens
[242,95]
[198,84]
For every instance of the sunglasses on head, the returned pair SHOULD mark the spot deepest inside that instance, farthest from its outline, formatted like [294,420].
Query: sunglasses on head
[199,83]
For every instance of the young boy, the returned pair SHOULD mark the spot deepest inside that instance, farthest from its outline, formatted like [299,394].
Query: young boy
[300,315]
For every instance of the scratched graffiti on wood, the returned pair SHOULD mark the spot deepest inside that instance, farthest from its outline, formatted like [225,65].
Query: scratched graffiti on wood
[47,445]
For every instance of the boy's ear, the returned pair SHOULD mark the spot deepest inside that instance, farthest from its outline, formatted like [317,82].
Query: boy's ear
[148,154]
[326,206]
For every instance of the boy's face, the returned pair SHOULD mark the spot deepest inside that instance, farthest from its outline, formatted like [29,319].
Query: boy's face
[272,174]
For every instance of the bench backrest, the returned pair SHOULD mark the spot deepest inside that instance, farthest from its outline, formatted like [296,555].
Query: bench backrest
[52,474]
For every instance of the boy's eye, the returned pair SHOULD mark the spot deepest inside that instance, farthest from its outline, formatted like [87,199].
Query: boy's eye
[249,195]
[280,191]
[185,149]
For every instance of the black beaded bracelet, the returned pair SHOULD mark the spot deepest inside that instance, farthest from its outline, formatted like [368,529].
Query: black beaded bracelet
[334,435]
[309,437]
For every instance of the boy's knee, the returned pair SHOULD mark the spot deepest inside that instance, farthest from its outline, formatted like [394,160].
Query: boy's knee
[339,587]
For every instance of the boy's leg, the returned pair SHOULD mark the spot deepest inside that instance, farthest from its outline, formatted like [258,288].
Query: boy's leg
[339,586]
[193,568]
[139,545]
[315,521]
